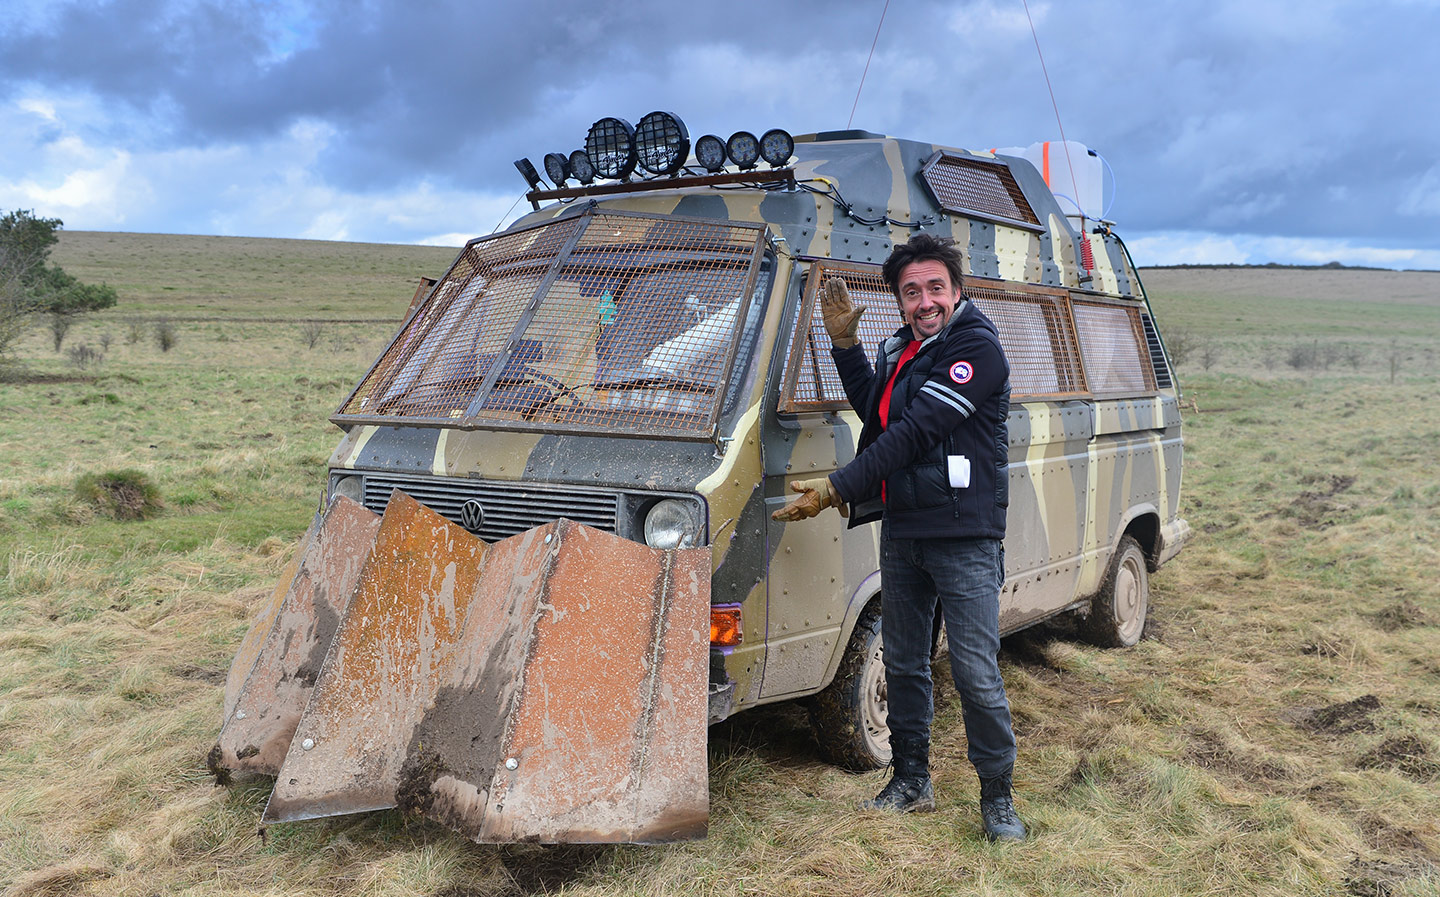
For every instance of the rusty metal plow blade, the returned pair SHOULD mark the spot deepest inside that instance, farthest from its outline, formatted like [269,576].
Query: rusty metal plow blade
[548,687]
[275,669]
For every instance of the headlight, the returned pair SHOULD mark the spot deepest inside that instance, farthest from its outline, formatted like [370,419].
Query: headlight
[352,488]
[672,523]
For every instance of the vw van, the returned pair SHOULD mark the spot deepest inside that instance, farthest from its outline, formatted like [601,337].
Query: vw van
[645,355]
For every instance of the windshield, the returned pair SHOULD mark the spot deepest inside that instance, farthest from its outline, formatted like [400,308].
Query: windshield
[606,321]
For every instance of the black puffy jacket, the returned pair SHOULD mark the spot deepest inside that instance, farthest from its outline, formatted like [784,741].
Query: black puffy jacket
[952,398]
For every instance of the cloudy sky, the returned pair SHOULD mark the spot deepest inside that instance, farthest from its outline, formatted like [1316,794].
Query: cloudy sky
[1238,130]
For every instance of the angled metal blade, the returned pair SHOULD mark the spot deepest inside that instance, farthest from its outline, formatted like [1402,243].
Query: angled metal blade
[282,653]
[594,675]
[550,687]
[397,635]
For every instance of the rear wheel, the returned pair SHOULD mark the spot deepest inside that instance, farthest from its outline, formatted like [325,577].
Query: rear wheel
[850,716]
[1117,612]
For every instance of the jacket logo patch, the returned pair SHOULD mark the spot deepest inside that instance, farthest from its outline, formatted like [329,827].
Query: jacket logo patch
[961,372]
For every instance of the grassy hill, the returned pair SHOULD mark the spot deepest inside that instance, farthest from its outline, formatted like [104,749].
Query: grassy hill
[184,277]
[1277,732]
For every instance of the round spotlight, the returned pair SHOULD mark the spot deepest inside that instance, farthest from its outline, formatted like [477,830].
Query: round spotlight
[710,153]
[580,167]
[743,149]
[557,166]
[610,144]
[662,143]
[776,147]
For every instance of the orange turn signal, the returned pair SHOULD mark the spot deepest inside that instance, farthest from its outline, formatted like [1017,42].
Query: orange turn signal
[725,626]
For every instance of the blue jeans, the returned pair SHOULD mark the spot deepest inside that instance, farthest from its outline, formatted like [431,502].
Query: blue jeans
[965,576]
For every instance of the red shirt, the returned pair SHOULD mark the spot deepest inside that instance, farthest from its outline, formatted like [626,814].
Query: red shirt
[905,356]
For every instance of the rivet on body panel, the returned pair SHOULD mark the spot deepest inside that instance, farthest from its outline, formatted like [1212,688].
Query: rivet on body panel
[548,537]
[239,714]
[511,763]
[307,744]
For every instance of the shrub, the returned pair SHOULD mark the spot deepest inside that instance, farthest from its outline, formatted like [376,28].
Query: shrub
[310,333]
[165,334]
[123,494]
[1180,343]
[83,356]
[1210,352]
[60,322]
[1304,356]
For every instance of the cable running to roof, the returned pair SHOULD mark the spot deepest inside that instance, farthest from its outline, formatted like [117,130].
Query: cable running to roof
[853,106]
[1074,184]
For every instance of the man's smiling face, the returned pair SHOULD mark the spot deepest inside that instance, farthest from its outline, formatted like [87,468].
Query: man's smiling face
[927,297]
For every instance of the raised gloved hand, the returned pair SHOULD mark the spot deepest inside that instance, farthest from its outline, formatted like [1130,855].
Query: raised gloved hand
[842,317]
[816,495]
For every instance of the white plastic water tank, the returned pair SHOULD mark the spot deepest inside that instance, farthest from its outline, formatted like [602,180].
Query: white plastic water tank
[1082,194]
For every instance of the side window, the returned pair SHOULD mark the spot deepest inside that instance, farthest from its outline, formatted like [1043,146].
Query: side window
[1038,336]
[1058,346]
[1112,342]
[811,382]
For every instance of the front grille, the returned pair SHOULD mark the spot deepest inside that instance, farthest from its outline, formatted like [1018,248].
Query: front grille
[510,508]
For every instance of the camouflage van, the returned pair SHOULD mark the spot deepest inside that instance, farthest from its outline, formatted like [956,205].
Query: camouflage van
[646,357]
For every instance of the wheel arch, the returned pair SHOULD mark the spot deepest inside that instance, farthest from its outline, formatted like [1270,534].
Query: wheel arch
[1142,523]
[867,592]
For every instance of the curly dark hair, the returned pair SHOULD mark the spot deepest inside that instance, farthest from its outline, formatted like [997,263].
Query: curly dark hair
[922,247]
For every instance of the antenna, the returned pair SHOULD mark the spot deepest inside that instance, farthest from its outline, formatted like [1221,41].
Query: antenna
[1085,255]
[867,65]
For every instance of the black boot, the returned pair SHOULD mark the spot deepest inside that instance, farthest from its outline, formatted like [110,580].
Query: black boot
[997,810]
[909,790]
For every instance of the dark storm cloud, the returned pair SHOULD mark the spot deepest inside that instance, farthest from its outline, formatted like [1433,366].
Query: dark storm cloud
[1245,116]
[412,86]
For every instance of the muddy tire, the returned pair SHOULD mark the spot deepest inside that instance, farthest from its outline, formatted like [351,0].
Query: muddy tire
[1117,612]
[849,716]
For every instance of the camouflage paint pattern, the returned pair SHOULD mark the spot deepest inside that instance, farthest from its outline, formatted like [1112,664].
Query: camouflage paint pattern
[1084,470]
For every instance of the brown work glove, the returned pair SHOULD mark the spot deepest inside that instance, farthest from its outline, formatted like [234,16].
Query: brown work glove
[816,496]
[842,317]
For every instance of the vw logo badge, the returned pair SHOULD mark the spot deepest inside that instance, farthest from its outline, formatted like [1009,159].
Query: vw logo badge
[472,516]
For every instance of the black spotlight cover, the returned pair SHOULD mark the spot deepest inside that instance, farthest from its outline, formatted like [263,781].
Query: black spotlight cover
[662,143]
[610,144]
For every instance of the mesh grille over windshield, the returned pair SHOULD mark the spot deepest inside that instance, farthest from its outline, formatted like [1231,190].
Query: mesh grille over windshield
[606,321]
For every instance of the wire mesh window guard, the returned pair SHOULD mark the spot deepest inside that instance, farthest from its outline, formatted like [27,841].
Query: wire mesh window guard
[1043,343]
[608,321]
[978,187]
[1117,357]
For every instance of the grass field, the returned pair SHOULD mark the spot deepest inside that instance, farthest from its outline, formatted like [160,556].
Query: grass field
[1277,732]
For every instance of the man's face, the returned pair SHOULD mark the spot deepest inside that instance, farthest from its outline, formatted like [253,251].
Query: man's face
[927,298]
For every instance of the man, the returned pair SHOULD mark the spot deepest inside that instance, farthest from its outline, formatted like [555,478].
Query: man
[932,466]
